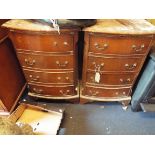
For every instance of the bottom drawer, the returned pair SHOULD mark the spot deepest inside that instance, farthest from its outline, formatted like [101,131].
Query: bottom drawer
[55,91]
[106,91]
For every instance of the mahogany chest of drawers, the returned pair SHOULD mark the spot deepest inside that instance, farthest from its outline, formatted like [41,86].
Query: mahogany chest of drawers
[48,59]
[114,53]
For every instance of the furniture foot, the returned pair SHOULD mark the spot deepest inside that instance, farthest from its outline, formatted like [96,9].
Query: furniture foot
[83,101]
[126,103]
[75,101]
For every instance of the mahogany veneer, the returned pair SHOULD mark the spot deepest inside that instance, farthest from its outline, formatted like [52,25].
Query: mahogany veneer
[48,59]
[114,53]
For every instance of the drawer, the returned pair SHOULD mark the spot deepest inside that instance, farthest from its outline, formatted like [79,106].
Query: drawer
[51,90]
[44,42]
[111,78]
[115,63]
[106,92]
[123,45]
[46,61]
[49,77]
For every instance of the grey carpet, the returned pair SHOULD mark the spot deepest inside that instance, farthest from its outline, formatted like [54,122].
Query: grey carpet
[105,119]
[101,118]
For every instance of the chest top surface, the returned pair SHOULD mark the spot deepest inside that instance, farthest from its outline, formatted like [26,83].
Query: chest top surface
[122,26]
[31,25]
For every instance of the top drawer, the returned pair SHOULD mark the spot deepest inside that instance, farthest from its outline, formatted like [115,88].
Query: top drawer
[123,45]
[44,42]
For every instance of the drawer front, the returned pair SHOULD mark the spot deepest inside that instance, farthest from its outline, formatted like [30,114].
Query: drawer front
[49,77]
[105,92]
[46,43]
[119,45]
[41,61]
[115,63]
[111,78]
[58,91]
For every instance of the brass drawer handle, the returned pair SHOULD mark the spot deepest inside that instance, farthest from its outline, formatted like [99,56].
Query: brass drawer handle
[55,43]
[65,43]
[101,48]
[123,93]
[30,62]
[65,93]
[92,78]
[59,78]
[138,48]
[130,67]
[116,93]
[38,91]
[62,64]
[125,81]
[93,93]
[34,78]
[67,78]
[98,66]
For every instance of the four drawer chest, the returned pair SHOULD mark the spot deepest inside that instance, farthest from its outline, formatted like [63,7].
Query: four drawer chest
[48,59]
[114,53]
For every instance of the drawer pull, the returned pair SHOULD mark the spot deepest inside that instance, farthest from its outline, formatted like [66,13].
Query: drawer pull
[93,93]
[138,48]
[100,48]
[65,43]
[59,78]
[67,78]
[34,78]
[125,81]
[98,66]
[101,65]
[116,93]
[62,64]
[123,93]
[92,78]
[38,91]
[130,67]
[64,93]
[55,43]
[30,62]
[72,33]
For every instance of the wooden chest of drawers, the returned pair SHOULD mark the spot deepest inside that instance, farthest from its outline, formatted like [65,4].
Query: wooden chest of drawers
[114,53]
[48,59]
